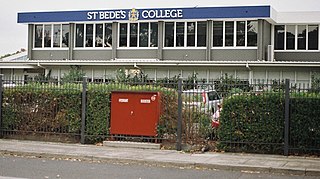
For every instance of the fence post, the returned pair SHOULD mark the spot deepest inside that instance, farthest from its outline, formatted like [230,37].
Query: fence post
[83,109]
[287,120]
[179,127]
[1,122]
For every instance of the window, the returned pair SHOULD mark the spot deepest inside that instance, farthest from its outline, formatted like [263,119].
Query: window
[133,34]
[56,35]
[51,35]
[279,37]
[38,36]
[142,34]
[92,35]
[252,33]
[99,35]
[201,34]
[79,35]
[235,33]
[65,35]
[241,38]
[47,35]
[218,34]
[108,35]
[191,34]
[169,34]
[313,37]
[229,26]
[297,37]
[290,40]
[185,34]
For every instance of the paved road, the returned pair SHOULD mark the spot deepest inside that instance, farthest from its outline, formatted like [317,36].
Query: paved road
[15,167]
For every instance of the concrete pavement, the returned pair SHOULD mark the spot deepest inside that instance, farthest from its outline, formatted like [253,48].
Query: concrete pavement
[221,161]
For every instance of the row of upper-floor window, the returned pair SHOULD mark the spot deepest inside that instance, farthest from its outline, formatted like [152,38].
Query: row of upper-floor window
[145,34]
[296,37]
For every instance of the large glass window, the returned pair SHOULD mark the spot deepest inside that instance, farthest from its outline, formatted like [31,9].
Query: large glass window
[298,37]
[241,31]
[169,34]
[202,34]
[313,37]
[279,37]
[51,35]
[229,31]
[185,34]
[252,33]
[79,35]
[38,36]
[217,33]
[47,35]
[290,33]
[235,33]
[144,34]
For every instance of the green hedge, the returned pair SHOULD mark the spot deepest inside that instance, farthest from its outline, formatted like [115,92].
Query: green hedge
[252,123]
[255,123]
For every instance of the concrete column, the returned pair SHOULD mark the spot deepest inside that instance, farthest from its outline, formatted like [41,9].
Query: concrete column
[30,40]
[261,50]
[160,40]
[71,41]
[209,40]
[114,39]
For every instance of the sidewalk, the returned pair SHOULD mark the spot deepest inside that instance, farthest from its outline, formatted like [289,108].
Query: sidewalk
[220,161]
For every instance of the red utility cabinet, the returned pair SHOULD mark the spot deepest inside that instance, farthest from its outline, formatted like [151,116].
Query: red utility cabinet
[134,113]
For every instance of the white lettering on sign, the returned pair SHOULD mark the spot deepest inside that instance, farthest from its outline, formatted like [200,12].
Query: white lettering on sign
[123,100]
[145,101]
[173,13]
[146,14]
[106,15]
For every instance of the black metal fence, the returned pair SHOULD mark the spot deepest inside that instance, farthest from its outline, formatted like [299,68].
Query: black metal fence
[257,116]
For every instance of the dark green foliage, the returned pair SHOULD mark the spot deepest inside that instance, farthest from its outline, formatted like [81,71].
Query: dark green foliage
[227,84]
[305,124]
[75,74]
[252,123]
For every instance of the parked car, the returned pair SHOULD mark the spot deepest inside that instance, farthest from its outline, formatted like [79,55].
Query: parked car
[205,100]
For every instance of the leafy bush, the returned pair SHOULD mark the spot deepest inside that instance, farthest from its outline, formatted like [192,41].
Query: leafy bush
[252,123]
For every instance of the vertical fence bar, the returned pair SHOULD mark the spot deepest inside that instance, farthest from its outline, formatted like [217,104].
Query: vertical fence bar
[1,129]
[286,128]
[179,127]
[83,109]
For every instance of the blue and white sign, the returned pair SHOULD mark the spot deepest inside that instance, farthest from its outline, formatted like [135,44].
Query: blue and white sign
[146,14]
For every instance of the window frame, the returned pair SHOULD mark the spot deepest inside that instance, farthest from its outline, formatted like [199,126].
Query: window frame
[138,35]
[93,36]
[43,47]
[296,49]
[185,45]
[234,46]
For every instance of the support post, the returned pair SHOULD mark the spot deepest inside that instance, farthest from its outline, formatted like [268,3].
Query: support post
[83,109]
[287,120]
[1,122]
[179,127]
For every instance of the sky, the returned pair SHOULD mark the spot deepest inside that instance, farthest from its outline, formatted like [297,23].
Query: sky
[13,36]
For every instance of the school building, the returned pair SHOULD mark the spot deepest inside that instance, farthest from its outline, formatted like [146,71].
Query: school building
[247,42]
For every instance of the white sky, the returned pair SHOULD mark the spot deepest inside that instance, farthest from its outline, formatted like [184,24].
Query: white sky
[13,36]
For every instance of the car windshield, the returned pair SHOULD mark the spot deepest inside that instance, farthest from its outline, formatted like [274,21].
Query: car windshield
[213,95]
